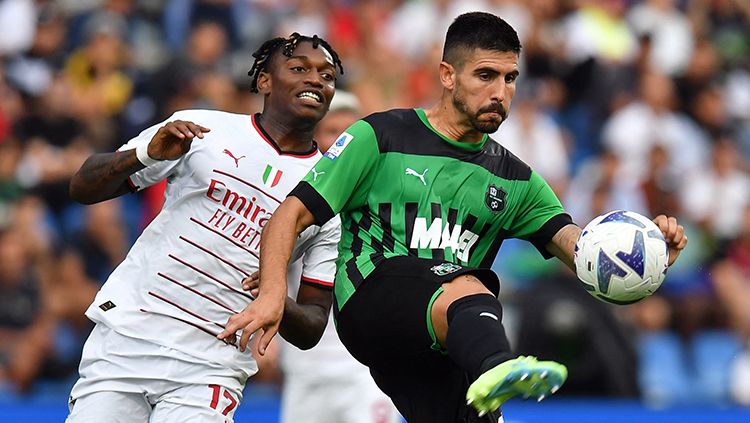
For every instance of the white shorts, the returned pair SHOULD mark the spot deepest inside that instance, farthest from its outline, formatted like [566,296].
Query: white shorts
[129,380]
[352,398]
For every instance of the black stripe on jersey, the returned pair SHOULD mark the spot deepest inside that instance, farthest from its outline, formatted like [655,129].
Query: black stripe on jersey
[384,213]
[469,223]
[452,218]
[437,213]
[352,271]
[544,235]
[489,257]
[314,202]
[365,223]
[402,131]
[410,215]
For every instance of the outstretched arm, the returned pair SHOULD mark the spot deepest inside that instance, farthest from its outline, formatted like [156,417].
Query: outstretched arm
[104,176]
[563,243]
[276,244]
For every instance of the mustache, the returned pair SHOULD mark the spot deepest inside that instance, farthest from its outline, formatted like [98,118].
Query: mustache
[494,108]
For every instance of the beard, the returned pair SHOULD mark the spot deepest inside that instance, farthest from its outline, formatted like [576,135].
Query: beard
[483,126]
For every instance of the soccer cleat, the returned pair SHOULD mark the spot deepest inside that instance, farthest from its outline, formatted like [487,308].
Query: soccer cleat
[523,376]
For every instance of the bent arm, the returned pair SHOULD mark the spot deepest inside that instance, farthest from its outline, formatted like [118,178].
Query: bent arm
[563,244]
[104,176]
[305,319]
[277,243]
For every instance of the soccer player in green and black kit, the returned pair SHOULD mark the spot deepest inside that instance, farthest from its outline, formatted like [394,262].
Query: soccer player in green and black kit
[426,199]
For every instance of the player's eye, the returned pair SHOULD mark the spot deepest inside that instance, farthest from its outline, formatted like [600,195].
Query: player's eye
[484,76]
[328,76]
[298,68]
[511,77]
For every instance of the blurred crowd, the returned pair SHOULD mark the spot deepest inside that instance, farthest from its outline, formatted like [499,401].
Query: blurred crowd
[622,104]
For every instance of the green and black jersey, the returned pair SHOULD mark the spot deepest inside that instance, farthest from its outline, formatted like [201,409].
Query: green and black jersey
[402,188]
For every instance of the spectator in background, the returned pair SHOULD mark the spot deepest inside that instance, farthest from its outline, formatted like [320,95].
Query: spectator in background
[54,145]
[32,71]
[599,186]
[731,277]
[95,72]
[651,119]
[18,21]
[537,139]
[25,341]
[660,184]
[669,32]
[179,84]
[715,196]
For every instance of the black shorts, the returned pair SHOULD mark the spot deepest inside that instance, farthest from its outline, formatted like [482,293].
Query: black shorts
[385,326]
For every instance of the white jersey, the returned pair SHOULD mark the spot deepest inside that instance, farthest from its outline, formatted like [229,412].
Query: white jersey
[181,280]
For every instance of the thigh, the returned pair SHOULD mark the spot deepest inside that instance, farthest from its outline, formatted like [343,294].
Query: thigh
[388,314]
[110,406]
[197,403]
[386,317]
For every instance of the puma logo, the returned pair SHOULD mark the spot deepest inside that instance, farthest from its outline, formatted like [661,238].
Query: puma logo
[412,172]
[236,159]
[316,174]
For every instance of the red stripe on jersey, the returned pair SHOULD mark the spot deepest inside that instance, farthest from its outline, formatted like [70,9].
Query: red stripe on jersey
[224,236]
[192,313]
[221,172]
[313,281]
[202,329]
[195,291]
[222,259]
[270,142]
[213,278]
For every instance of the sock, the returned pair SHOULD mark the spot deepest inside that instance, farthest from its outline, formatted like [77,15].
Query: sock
[476,339]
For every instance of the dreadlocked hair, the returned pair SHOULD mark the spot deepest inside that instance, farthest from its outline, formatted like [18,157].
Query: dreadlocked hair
[267,49]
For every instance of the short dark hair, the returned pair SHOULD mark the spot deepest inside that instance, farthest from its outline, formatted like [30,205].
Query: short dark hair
[478,30]
[266,51]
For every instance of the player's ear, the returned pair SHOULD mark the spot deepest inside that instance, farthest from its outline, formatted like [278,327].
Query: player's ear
[264,83]
[447,75]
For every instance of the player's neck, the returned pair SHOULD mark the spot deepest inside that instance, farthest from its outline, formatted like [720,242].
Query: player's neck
[290,137]
[451,123]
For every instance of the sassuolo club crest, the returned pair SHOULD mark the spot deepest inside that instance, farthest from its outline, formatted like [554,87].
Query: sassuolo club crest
[495,198]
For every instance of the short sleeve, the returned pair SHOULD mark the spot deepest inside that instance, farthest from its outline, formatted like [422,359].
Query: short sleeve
[540,216]
[342,178]
[319,259]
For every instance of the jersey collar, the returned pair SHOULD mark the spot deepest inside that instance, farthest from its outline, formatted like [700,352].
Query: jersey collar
[267,138]
[477,146]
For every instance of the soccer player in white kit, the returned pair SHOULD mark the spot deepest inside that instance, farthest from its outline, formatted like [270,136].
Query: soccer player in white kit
[153,355]
[326,384]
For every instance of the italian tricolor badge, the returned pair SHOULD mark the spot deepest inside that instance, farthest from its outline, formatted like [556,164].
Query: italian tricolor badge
[271,176]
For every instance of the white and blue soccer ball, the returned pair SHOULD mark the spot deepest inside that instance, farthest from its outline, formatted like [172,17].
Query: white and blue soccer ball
[621,257]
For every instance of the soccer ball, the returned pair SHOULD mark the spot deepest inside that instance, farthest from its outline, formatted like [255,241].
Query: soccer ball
[621,257]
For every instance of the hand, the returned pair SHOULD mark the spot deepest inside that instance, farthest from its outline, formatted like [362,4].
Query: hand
[260,315]
[252,284]
[674,234]
[173,140]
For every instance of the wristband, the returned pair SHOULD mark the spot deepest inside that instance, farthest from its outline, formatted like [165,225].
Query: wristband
[141,152]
